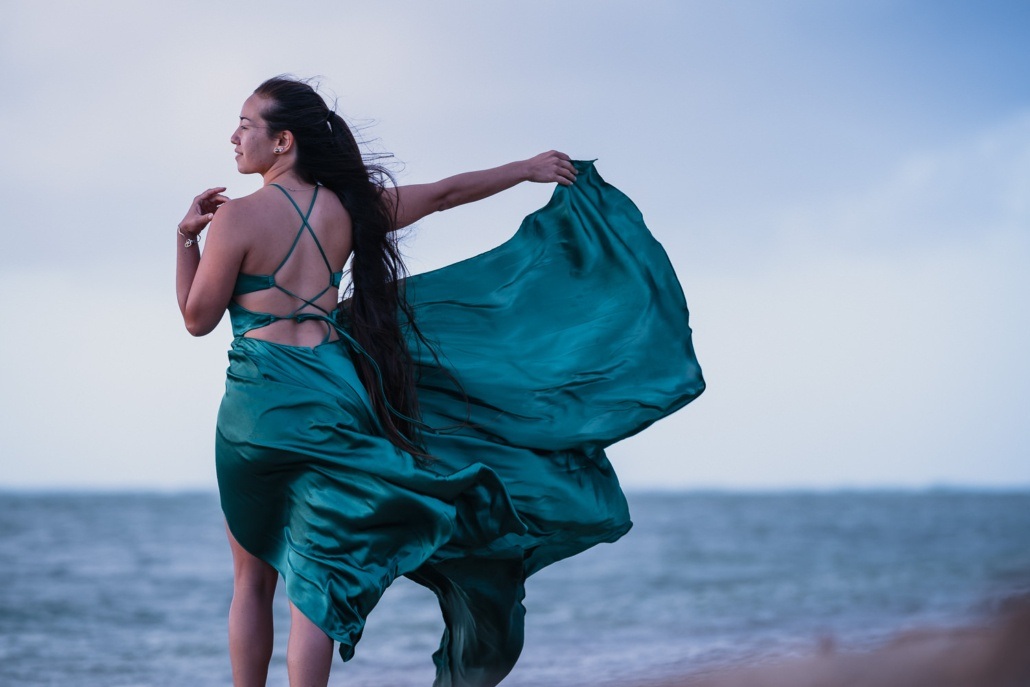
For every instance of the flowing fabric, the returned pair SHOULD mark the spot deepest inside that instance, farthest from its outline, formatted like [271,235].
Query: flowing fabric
[572,335]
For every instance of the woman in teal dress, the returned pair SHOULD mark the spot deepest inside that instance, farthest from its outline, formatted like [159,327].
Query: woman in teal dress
[448,427]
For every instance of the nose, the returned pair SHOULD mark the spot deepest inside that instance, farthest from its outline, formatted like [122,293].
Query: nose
[235,138]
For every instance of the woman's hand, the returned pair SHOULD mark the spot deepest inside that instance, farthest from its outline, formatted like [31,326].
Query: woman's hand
[550,167]
[202,211]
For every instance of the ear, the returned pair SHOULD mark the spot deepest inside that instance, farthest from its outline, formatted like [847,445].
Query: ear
[284,140]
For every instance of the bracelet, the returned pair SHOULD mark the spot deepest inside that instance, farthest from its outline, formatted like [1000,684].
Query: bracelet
[190,240]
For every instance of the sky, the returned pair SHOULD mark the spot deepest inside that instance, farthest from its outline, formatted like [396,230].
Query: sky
[843,188]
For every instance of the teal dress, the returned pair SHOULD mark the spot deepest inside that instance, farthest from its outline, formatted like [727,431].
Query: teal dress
[572,335]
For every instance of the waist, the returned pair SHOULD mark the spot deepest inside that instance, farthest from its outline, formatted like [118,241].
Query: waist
[305,329]
[293,334]
[326,369]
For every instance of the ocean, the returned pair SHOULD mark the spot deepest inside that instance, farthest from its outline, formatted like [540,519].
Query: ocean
[132,589]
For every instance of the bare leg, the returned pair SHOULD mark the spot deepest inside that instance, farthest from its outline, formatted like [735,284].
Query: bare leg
[309,655]
[250,617]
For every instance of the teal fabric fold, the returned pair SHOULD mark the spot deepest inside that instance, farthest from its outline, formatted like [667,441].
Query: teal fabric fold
[570,336]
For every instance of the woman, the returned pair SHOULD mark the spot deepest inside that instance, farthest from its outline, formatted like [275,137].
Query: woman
[406,434]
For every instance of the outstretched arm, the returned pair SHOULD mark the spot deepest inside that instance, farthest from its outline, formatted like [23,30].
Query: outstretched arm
[418,200]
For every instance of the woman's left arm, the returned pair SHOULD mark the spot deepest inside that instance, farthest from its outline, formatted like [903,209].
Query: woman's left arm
[418,200]
[204,285]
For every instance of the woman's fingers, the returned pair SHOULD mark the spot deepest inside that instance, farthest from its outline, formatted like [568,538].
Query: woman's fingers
[565,171]
[209,193]
[553,166]
[202,210]
[208,201]
[212,204]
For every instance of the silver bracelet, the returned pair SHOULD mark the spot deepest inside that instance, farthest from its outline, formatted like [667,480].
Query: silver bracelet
[190,241]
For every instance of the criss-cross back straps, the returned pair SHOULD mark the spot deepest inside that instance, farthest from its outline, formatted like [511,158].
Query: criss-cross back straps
[305,225]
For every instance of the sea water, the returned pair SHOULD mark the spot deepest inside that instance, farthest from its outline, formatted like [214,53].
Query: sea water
[133,589]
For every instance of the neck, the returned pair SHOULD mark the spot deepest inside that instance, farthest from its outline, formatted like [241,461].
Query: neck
[285,176]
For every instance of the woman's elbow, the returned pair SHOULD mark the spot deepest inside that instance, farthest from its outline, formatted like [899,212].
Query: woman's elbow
[196,329]
[197,325]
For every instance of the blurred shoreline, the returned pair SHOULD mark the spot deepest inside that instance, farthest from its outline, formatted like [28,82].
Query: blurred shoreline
[991,653]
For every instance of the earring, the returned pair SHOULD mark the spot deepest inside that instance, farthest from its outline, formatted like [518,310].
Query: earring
[277,150]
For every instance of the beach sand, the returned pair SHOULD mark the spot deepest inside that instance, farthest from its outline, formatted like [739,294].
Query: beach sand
[995,653]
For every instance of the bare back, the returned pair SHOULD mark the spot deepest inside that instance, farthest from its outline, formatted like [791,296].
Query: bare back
[296,244]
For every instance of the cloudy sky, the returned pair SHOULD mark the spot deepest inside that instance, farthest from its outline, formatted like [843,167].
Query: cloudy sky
[843,187]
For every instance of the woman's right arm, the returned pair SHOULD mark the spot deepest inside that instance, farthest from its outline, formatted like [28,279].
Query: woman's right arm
[204,285]
[415,201]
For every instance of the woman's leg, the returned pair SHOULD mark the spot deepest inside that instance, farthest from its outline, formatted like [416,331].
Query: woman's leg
[250,617]
[309,655]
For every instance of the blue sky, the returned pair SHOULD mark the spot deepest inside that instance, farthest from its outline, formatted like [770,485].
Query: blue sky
[842,187]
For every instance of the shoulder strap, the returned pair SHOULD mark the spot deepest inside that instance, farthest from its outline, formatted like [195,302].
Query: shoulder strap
[303,215]
[303,225]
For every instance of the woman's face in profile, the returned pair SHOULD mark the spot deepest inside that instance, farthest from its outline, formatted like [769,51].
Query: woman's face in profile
[253,143]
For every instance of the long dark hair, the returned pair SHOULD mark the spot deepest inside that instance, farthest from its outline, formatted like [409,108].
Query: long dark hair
[328,154]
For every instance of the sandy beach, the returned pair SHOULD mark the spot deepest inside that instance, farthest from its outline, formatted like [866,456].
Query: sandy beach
[995,653]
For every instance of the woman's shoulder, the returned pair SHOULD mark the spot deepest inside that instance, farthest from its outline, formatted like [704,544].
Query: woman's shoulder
[247,210]
[267,209]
